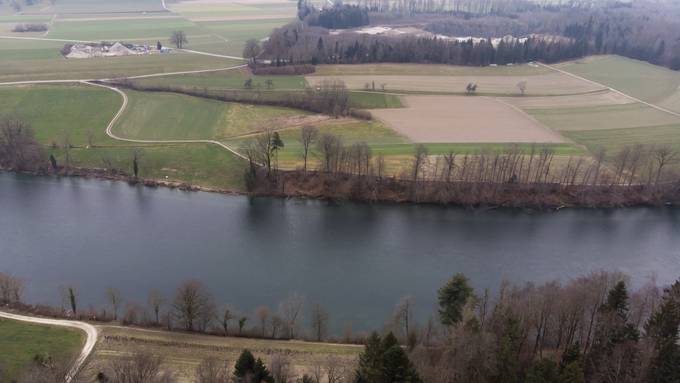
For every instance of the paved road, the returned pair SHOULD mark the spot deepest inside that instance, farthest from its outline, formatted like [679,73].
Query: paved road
[89,330]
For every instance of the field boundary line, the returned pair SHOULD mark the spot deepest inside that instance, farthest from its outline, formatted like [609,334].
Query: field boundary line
[90,331]
[659,108]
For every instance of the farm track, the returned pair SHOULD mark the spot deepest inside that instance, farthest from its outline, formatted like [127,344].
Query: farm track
[90,332]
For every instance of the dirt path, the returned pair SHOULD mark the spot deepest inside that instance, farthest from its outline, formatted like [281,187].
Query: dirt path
[89,330]
[122,109]
[612,89]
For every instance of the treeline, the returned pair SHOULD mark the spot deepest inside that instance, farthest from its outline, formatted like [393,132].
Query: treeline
[296,43]
[340,16]
[330,97]
[513,176]
[30,28]
[589,329]
[644,30]
[470,8]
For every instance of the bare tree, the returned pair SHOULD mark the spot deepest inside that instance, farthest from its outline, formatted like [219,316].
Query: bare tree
[522,86]
[212,370]
[403,314]
[113,296]
[156,301]
[262,314]
[18,148]
[179,39]
[226,318]
[141,367]
[419,161]
[11,289]
[335,369]
[276,324]
[319,319]
[308,135]
[663,155]
[290,309]
[191,304]
[280,368]
[251,50]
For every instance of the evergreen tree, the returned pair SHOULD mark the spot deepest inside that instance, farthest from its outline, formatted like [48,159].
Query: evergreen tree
[385,361]
[543,371]
[662,328]
[453,297]
[508,352]
[249,369]
[572,373]
[613,333]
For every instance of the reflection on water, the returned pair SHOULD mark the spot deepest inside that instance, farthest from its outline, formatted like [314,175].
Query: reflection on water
[356,259]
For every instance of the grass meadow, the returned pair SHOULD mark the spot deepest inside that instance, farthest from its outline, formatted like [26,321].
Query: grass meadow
[21,342]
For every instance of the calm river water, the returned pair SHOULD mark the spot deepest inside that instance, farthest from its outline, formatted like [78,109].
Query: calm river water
[356,259]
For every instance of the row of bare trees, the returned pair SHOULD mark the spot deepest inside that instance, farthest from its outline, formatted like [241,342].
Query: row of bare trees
[536,164]
[193,308]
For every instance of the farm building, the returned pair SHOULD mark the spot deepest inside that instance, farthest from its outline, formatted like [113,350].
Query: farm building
[104,49]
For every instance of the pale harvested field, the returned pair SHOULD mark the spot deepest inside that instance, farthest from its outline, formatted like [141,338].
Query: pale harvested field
[582,100]
[539,85]
[182,353]
[464,119]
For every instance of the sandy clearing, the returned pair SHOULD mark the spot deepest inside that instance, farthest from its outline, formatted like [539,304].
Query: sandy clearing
[582,100]
[461,119]
[545,84]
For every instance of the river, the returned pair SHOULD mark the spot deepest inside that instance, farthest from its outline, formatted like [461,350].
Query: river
[355,259]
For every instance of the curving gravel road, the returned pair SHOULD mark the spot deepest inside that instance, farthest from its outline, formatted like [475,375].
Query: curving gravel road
[89,330]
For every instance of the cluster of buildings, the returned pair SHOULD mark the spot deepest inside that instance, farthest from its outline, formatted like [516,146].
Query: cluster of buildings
[104,49]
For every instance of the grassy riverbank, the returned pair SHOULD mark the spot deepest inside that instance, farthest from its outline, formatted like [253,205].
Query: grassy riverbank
[21,342]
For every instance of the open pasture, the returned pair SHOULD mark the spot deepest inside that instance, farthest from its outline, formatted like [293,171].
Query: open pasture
[168,116]
[44,62]
[639,79]
[464,119]
[150,28]
[539,85]
[614,140]
[59,112]
[229,10]
[98,6]
[21,342]
[603,117]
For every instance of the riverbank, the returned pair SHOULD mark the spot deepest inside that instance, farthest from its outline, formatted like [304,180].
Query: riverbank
[344,187]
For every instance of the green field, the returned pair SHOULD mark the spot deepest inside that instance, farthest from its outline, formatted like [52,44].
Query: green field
[613,140]
[168,116]
[124,29]
[196,164]
[232,79]
[57,112]
[20,342]
[43,62]
[237,32]
[645,81]
[603,117]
